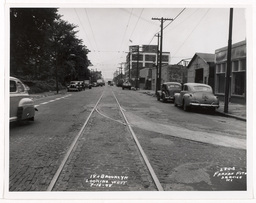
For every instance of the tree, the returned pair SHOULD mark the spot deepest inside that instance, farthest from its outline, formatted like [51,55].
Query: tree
[28,39]
[43,46]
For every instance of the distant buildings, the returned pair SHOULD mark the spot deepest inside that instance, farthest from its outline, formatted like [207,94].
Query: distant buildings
[208,68]
[146,57]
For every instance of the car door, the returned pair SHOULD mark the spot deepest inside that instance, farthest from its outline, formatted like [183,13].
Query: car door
[184,91]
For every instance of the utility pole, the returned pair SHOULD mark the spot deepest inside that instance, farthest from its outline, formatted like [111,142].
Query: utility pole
[129,65]
[227,82]
[157,61]
[137,74]
[162,20]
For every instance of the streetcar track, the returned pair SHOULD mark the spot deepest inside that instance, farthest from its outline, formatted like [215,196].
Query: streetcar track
[109,117]
[144,156]
[126,123]
[57,174]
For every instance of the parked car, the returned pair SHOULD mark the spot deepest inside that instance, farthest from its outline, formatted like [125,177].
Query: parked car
[196,95]
[87,84]
[21,105]
[168,90]
[74,86]
[126,85]
[111,83]
[95,84]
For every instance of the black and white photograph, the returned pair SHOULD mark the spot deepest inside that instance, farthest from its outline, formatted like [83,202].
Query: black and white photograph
[128,101]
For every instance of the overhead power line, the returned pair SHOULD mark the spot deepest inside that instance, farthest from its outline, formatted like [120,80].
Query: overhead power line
[83,28]
[168,24]
[126,30]
[137,23]
[175,18]
[192,31]
[91,28]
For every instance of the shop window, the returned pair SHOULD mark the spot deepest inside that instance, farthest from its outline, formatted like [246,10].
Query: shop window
[243,64]
[223,67]
[235,66]
[220,86]
[238,81]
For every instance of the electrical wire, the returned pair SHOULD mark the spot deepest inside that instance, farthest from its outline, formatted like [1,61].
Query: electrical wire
[136,23]
[83,28]
[191,32]
[175,18]
[168,24]
[126,29]
[91,28]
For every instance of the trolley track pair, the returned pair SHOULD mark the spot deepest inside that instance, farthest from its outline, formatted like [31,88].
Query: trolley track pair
[126,123]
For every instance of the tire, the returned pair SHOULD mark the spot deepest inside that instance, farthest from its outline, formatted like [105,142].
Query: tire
[31,119]
[174,102]
[158,97]
[164,99]
[185,108]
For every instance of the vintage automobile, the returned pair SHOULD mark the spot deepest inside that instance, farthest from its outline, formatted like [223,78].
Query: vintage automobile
[126,85]
[168,90]
[87,84]
[196,95]
[21,105]
[74,86]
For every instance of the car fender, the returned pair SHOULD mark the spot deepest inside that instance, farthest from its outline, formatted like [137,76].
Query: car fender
[176,98]
[186,99]
[26,102]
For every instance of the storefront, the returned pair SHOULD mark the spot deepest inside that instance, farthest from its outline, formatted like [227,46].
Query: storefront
[238,73]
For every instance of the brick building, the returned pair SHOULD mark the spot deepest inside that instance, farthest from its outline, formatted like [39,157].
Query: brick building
[145,58]
[170,73]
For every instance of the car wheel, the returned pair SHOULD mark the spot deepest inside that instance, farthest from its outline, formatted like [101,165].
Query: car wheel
[185,107]
[32,118]
[164,99]
[174,102]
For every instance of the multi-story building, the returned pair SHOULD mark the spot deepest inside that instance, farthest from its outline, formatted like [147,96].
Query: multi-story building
[146,57]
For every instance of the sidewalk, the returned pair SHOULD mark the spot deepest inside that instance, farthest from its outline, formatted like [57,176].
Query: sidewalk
[237,111]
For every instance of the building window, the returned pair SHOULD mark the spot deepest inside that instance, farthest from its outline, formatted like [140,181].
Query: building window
[220,83]
[135,57]
[243,64]
[238,83]
[165,58]
[151,58]
[235,66]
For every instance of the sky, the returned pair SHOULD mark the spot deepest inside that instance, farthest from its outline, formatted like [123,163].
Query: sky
[108,32]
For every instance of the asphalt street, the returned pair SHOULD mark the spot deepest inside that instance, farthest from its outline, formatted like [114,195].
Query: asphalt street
[188,151]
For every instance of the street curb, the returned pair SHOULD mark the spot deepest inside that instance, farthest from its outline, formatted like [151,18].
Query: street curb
[230,115]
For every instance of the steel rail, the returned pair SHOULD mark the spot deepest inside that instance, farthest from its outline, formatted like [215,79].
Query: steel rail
[144,156]
[57,174]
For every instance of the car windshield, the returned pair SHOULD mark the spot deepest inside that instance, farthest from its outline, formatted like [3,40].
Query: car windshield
[174,86]
[199,88]
[73,82]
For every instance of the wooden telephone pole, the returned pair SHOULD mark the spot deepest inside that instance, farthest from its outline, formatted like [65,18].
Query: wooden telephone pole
[227,82]
[162,20]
